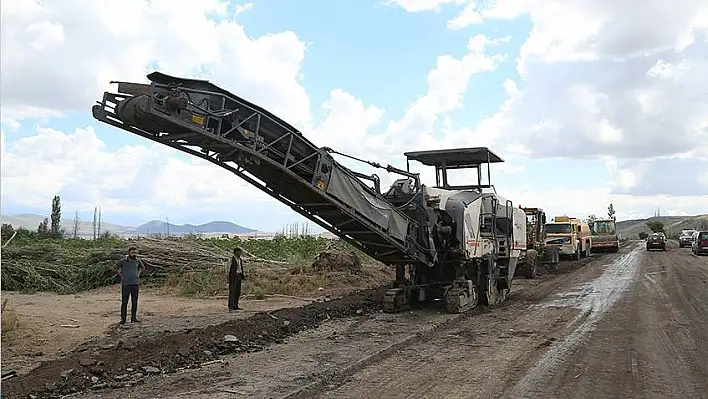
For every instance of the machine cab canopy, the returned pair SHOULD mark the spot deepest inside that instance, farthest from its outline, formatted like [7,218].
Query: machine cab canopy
[457,158]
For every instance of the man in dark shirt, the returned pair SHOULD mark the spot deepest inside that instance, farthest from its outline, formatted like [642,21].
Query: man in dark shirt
[236,275]
[129,269]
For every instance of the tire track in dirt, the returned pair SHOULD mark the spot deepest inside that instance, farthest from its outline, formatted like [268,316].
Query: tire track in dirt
[594,299]
[471,352]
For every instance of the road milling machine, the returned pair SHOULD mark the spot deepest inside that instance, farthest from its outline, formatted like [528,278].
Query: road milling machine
[460,244]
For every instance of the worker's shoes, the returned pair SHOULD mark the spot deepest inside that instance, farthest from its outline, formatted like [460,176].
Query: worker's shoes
[121,322]
[134,320]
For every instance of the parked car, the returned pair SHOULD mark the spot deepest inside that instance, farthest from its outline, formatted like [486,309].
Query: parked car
[686,238]
[656,241]
[700,243]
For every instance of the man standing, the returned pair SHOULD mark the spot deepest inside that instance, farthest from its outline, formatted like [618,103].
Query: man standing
[129,269]
[236,275]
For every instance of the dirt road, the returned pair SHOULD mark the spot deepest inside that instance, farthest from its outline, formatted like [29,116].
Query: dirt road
[652,344]
[632,324]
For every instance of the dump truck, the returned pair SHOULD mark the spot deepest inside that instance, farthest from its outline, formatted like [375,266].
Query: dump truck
[604,235]
[570,236]
[458,243]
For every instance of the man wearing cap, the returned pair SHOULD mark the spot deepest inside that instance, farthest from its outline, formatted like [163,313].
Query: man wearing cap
[236,275]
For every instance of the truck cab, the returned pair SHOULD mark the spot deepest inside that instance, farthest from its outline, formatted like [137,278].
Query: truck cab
[571,236]
[604,235]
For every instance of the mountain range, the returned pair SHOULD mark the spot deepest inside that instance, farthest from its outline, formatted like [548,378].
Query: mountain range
[627,228]
[672,224]
[31,221]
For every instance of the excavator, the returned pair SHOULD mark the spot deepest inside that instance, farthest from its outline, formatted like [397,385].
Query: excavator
[457,243]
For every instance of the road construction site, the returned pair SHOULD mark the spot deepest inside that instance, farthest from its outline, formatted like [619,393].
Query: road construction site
[626,324]
[480,305]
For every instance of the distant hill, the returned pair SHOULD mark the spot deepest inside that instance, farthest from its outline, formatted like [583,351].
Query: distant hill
[157,226]
[31,221]
[672,224]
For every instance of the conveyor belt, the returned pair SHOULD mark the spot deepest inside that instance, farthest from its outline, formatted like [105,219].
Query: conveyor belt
[201,119]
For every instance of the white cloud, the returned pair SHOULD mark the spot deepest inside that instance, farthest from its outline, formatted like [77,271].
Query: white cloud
[241,8]
[447,85]
[67,52]
[594,84]
[142,179]
[423,5]
[600,82]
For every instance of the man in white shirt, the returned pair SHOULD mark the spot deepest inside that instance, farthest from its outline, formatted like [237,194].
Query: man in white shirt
[236,275]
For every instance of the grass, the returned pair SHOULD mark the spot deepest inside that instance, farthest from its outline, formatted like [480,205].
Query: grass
[192,267]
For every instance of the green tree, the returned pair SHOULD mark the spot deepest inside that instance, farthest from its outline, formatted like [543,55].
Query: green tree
[55,228]
[643,235]
[43,228]
[655,226]
[6,231]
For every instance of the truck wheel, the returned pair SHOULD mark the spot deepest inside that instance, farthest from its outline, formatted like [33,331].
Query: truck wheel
[531,264]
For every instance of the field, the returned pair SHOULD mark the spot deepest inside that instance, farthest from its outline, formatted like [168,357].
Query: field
[57,294]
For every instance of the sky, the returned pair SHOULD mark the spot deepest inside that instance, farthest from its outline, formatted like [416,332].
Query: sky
[587,103]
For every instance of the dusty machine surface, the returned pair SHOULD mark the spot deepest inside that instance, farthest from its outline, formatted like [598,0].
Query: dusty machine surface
[569,236]
[459,243]
[535,242]
[604,235]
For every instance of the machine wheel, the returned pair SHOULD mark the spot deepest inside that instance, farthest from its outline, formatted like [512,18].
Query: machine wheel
[531,267]
[614,250]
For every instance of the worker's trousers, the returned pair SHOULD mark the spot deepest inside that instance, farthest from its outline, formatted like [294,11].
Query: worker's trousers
[129,290]
[234,290]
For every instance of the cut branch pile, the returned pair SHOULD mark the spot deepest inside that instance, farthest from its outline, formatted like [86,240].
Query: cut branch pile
[50,266]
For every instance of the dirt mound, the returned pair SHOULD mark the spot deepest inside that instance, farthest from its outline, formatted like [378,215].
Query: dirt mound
[336,260]
[99,365]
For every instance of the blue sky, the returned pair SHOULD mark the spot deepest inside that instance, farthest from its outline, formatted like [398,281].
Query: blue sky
[375,53]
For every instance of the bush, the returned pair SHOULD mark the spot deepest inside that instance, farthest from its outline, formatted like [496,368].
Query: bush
[643,235]
[6,231]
